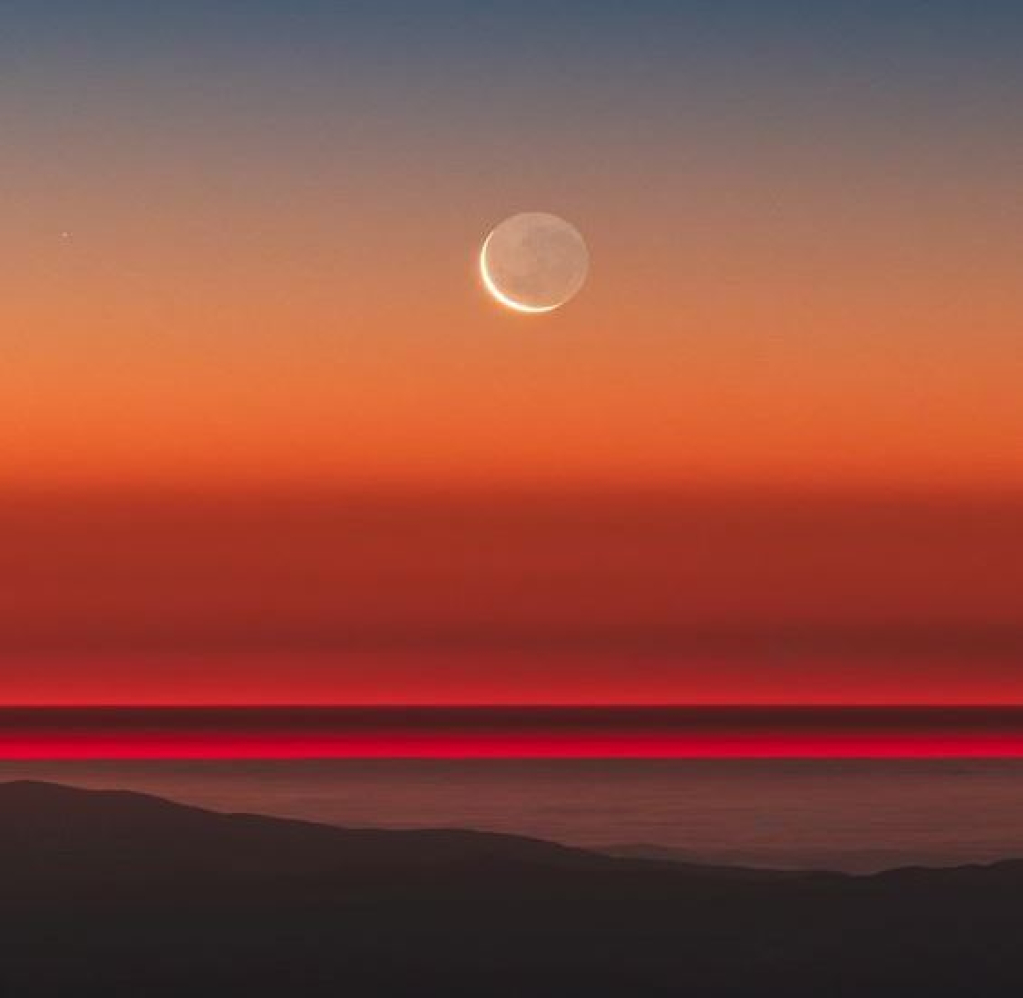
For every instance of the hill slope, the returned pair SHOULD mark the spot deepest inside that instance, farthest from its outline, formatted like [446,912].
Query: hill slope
[121,894]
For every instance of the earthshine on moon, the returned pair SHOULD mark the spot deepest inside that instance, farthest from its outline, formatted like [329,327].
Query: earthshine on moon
[534,262]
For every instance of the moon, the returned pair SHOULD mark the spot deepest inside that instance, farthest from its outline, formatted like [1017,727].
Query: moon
[534,262]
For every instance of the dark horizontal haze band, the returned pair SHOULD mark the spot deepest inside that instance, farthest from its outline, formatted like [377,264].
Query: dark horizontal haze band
[297,718]
[488,732]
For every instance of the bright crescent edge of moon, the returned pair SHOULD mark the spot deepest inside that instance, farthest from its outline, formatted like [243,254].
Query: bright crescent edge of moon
[504,299]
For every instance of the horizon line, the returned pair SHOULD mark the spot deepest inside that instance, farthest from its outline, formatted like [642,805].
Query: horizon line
[521,705]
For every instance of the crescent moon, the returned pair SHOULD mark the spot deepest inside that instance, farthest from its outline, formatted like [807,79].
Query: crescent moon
[533,262]
[489,284]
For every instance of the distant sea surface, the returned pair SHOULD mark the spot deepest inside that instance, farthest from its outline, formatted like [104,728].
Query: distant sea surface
[894,805]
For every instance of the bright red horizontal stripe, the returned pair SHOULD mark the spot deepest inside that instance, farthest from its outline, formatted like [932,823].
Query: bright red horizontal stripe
[459,746]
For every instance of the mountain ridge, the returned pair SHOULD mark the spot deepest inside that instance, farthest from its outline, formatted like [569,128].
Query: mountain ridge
[115,893]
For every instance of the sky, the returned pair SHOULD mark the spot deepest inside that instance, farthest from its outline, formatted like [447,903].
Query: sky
[266,439]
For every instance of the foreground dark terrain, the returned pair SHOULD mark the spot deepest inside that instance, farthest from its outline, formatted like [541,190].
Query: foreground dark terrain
[121,894]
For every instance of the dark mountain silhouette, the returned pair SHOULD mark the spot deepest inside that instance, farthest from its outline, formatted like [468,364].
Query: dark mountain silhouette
[686,860]
[779,859]
[59,837]
[111,893]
